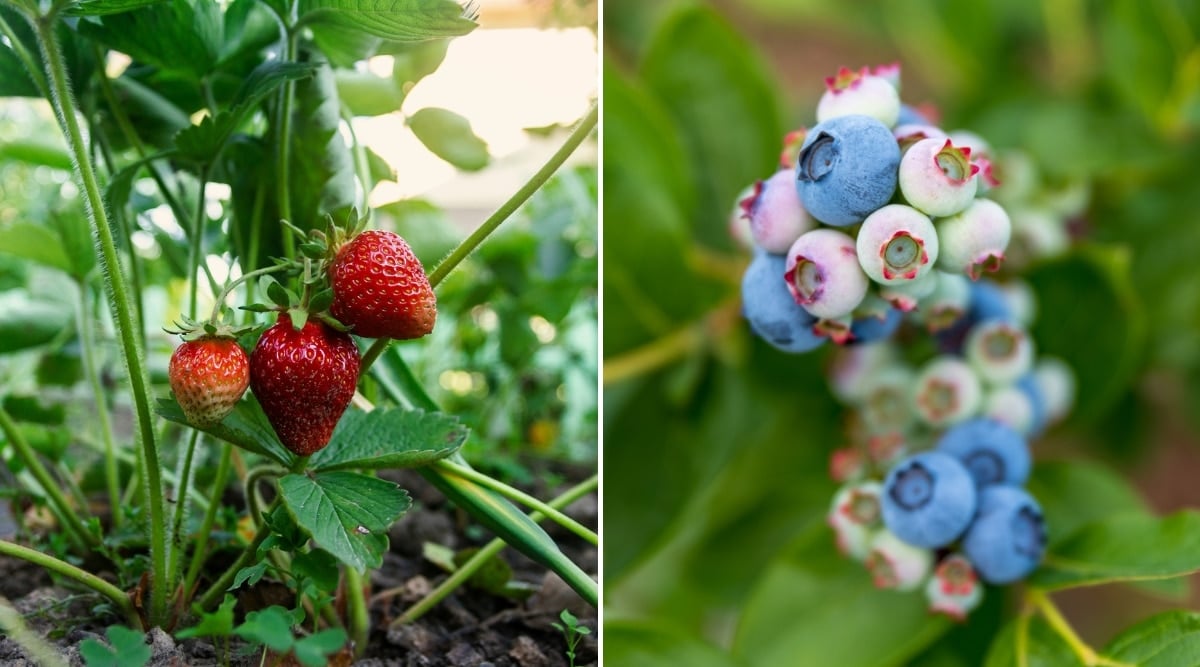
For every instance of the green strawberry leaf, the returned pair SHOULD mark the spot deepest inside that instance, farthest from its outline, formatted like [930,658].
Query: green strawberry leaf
[450,137]
[395,20]
[105,7]
[128,649]
[36,243]
[322,171]
[246,427]
[347,514]
[390,438]
[1125,547]
[271,627]
[27,321]
[313,650]
[217,623]
[33,150]
[184,38]
[1164,640]
[318,565]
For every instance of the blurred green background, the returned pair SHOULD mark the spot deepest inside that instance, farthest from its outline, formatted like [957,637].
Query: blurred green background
[716,446]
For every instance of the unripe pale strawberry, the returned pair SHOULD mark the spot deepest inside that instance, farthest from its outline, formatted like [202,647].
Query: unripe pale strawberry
[208,376]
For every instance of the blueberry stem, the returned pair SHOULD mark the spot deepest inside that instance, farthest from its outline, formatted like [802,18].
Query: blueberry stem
[1054,618]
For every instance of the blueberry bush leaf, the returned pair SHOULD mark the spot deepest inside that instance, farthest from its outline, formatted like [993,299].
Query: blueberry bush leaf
[346,513]
[390,438]
[640,643]
[1030,641]
[1164,640]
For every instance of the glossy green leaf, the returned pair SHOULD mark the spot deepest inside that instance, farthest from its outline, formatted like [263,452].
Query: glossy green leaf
[415,61]
[1170,639]
[36,243]
[1077,492]
[1125,547]
[181,37]
[449,136]
[725,105]
[33,151]
[104,7]
[396,20]
[247,427]
[14,78]
[347,514]
[75,235]
[1030,642]
[811,606]
[321,170]
[366,93]
[27,322]
[390,438]
[648,644]
[318,565]
[1105,358]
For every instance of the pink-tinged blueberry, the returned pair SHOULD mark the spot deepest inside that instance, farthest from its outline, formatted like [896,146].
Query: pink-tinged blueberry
[823,275]
[947,303]
[954,589]
[792,141]
[938,177]
[885,449]
[974,240]
[1000,351]
[854,517]
[889,72]
[859,92]
[776,216]
[1057,382]
[739,224]
[847,464]
[907,295]
[770,309]
[910,133]
[837,329]
[992,452]
[978,146]
[947,392]
[928,499]
[1007,539]
[1011,406]
[847,169]
[896,564]
[897,244]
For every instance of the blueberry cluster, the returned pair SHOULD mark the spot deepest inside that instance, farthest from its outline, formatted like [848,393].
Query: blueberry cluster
[881,218]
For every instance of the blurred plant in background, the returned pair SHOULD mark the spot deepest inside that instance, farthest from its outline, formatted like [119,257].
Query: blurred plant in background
[716,446]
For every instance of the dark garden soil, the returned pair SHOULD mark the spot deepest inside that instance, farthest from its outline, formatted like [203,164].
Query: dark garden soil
[471,628]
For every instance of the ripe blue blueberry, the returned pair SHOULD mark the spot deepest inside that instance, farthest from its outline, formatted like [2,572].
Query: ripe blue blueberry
[974,240]
[847,169]
[770,309]
[897,244]
[776,216]
[1007,539]
[937,177]
[875,327]
[823,274]
[992,452]
[859,92]
[928,499]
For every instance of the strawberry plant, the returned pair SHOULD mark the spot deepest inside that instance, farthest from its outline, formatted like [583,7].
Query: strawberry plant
[881,425]
[214,165]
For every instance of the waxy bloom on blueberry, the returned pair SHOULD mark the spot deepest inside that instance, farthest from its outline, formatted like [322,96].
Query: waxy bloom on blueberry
[854,518]
[852,372]
[896,564]
[859,92]
[847,169]
[974,240]
[999,351]
[776,216]
[1021,300]
[888,401]
[1039,418]
[928,499]
[1007,539]
[954,589]
[897,244]
[772,312]
[992,452]
[937,177]
[905,295]
[1012,407]
[823,274]
[947,303]
[947,392]
[909,134]
[874,327]
[1057,382]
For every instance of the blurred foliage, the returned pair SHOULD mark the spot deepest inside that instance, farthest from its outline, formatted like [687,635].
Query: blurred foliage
[716,445]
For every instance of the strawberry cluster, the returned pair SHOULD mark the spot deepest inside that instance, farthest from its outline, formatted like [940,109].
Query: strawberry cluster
[304,368]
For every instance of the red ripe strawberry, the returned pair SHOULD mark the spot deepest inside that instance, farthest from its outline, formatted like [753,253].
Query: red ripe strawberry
[304,380]
[209,376]
[380,289]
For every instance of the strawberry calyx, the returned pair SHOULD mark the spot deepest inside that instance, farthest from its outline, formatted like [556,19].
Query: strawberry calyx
[190,330]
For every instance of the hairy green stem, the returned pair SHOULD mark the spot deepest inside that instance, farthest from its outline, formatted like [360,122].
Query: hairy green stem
[210,517]
[356,609]
[182,485]
[88,353]
[59,502]
[477,237]
[231,285]
[196,245]
[284,139]
[46,561]
[519,496]
[464,572]
[131,351]
[250,488]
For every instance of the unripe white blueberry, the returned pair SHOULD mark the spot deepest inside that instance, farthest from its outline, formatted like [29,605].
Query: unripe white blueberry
[974,240]
[888,402]
[907,295]
[947,392]
[1018,175]
[910,133]
[860,92]
[954,589]
[967,139]
[938,177]
[947,303]
[777,218]
[1057,382]
[1037,233]
[897,564]
[1021,300]
[853,368]
[823,274]
[855,518]
[897,244]
[999,351]
[1012,407]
